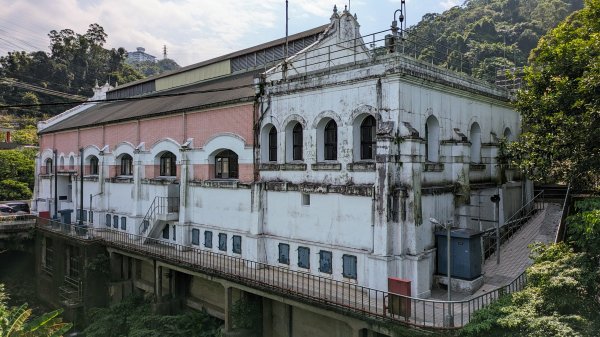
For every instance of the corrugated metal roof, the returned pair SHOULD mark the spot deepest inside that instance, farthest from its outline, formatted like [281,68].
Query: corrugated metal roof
[297,36]
[188,98]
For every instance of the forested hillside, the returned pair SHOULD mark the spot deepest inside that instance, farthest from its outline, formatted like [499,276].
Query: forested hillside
[73,65]
[483,36]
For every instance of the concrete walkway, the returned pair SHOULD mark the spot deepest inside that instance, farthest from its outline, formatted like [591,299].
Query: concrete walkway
[514,255]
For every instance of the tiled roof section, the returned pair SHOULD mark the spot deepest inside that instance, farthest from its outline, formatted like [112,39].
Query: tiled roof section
[195,97]
[273,43]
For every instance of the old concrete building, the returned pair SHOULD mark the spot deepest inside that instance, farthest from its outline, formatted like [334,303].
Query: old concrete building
[327,163]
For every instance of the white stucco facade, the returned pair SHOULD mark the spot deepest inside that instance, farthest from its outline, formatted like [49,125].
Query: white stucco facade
[353,153]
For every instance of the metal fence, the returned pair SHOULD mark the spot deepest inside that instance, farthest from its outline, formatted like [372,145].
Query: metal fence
[321,291]
[512,225]
[160,205]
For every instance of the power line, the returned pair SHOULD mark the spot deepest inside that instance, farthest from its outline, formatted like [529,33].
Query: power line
[128,99]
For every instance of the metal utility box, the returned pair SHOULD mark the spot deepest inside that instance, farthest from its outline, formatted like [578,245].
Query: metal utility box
[465,245]
[398,305]
[65,215]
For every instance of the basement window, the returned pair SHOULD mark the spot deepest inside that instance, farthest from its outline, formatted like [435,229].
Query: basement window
[305,199]
[284,253]
[196,236]
[304,257]
[349,266]
[208,239]
[325,261]
[237,244]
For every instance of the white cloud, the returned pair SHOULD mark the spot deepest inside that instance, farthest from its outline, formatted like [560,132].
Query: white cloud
[447,4]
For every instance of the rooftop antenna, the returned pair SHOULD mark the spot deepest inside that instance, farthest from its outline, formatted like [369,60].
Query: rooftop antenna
[164,51]
[286,28]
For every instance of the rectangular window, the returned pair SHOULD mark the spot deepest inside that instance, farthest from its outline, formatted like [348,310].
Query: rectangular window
[223,242]
[208,239]
[284,253]
[325,261]
[304,257]
[49,255]
[123,223]
[165,232]
[305,199]
[116,221]
[146,224]
[84,213]
[107,220]
[237,244]
[196,236]
[349,266]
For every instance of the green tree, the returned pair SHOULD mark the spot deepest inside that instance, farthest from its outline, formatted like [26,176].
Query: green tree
[18,166]
[561,101]
[559,299]
[18,322]
[133,317]
[14,190]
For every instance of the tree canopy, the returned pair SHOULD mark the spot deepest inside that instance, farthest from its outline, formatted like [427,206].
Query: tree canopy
[560,104]
[483,36]
[73,65]
[16,174]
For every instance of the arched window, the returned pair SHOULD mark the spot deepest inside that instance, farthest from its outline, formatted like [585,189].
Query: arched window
[273,144]
[71,163]
[508,135]
[432,137]
[127,165]
[94,165]
[168,168]
[330,141]
[62,163]
[475,143]
[297,142]
[367,138]
[226,165]
[49,168]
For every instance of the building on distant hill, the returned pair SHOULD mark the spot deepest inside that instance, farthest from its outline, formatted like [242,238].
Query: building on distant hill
[140,55]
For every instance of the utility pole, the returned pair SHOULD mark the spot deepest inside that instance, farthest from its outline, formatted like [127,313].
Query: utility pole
[81,187]
[55,217]
[496,200]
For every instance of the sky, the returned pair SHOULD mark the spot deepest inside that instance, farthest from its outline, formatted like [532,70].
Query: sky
[192,30]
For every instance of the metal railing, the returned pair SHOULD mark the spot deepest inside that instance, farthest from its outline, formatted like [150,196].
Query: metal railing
[71,292]
[512,225]
[562,226]
[16,223]
[160,205]
[349,298]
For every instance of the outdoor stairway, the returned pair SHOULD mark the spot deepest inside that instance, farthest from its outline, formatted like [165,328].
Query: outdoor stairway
[162,210]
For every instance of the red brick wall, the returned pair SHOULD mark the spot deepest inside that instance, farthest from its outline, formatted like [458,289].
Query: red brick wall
[117,133]
[91,137]
[155,129]
[205,124]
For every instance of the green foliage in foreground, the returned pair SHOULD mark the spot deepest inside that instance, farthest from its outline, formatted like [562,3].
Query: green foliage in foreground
[133,317]
[562,297]
[560,103]
[17,322]
[16,174]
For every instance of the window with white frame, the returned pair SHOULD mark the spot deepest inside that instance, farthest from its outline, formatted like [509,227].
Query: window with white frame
[367,138]
[330,141]
[273,144]
[126,165]
[349,266]
[325,258]
[94,165]
[284,253]
[168,166]
[432,139]
[226,165]
[475,137]
[304,257]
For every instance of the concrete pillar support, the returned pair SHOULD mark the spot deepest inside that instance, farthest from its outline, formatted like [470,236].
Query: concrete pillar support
[228,307]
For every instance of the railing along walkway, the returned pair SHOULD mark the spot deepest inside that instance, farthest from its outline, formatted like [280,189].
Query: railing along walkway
[345,296]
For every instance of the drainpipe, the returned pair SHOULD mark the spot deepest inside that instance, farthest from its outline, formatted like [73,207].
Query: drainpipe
[55,186]
[81,186]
